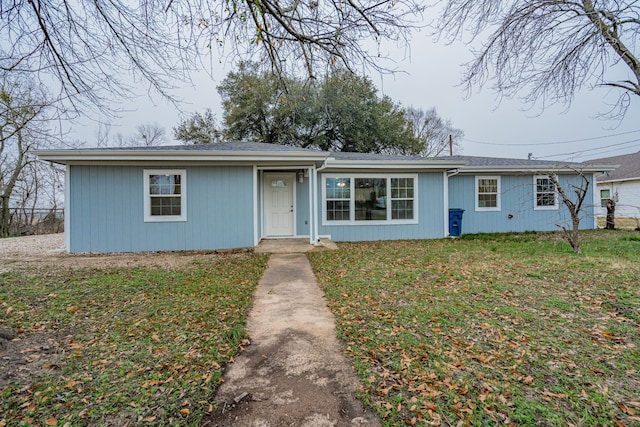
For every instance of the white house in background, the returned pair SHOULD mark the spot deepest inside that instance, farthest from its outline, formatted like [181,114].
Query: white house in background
[621,184]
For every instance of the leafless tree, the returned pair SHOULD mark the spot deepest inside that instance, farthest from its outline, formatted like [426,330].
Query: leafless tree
[549,49]
[149,135]
[87,46]
[24,123]
[433,131]
[574,205]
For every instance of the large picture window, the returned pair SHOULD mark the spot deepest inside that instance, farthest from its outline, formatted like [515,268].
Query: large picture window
[165,195]
[369,198]
[487,193]
[545,193]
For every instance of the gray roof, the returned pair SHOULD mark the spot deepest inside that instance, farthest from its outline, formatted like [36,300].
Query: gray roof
[236,146]
[505,162]
[629,167]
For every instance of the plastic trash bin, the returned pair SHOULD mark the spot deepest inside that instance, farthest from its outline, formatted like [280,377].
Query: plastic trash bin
[455,222]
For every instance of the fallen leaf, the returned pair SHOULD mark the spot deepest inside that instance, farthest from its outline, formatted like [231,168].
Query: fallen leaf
[149,419]
[51,422]
[184,411]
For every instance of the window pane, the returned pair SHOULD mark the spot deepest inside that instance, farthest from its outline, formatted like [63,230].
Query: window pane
[546,199]
[488,200]
[165,206]
[337,210]
[338,188]
[545,185]
[487,186]
[371,199]
[164,184]
[402,209]
[604,196]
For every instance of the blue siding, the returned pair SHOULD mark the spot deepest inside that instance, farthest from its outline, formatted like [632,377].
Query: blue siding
[302,208]
[430,216]
[517,199]
[107,210]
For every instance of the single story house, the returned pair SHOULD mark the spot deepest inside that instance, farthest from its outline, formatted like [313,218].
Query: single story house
[621,184]
[233,194]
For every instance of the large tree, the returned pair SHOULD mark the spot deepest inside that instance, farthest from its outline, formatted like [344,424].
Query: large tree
[89,49]
[341,112]
[198,129]
[547,50]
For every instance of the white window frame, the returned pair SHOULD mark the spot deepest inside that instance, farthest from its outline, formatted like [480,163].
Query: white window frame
[389,201]
[498,193]
[535,195]
[603,202]
[183,196]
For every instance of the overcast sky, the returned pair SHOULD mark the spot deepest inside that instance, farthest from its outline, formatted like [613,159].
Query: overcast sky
[431,75]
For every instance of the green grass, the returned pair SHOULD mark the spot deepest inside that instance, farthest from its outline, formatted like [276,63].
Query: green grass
[492,329]
[132,346]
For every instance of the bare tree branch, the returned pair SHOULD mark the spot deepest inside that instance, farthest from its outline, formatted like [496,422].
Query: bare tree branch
[547,50]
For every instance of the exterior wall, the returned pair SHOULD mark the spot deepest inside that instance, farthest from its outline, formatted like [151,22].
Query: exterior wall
[430,216]
[107,210]
[302,208]
[517,200]
[627,197]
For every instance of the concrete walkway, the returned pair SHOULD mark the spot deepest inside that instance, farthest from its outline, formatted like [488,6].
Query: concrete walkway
[293,372]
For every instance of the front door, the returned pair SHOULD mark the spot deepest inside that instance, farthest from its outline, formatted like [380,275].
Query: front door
[278,200]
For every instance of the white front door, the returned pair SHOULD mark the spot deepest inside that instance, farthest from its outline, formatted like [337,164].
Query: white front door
[278,200]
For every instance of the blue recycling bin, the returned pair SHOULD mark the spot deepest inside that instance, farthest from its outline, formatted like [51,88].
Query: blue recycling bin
[455,222]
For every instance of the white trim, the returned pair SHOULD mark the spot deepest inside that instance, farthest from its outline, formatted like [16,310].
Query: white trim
[256,217]
[596,201]
[388,177]
[555,206]
[312,239]
[497,208]
[183,196]
[67,208]
[445,180]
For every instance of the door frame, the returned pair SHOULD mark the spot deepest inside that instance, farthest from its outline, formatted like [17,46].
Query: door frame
[265,179]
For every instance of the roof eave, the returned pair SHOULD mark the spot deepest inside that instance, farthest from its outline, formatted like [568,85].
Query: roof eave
[333,163]
[92,156]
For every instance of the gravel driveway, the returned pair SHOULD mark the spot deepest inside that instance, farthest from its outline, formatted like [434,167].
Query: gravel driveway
[44,244]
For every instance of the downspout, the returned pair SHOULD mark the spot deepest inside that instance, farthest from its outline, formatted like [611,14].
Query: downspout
[316,231]
[446,175]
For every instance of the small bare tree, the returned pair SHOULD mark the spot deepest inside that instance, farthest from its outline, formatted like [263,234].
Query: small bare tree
[433,131]
[549,49]
[574,205]
[149,135]
[23,125]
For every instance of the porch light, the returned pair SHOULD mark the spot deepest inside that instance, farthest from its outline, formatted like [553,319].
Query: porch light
[300,175]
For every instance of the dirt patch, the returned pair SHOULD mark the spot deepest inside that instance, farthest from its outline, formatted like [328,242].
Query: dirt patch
[45,252]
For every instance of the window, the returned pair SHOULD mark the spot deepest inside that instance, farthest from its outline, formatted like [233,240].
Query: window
[165,195]
[338,199]
[545,193]
[370,198]
[604,196]
[487,193]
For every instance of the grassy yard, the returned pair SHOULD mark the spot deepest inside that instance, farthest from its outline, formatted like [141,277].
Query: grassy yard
[121,346]
[492,329]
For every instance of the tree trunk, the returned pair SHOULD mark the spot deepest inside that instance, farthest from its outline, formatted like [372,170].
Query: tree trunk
[611,214]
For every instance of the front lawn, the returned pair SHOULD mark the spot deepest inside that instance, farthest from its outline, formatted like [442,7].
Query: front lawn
[121,346]
[507,329]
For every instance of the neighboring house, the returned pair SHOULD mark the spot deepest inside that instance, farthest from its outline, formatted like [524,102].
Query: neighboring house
[622,185]
[232,195]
